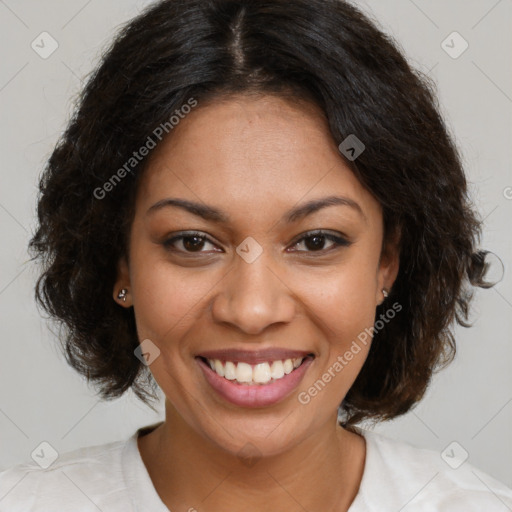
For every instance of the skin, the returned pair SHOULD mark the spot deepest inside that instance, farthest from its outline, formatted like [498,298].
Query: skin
[254,158]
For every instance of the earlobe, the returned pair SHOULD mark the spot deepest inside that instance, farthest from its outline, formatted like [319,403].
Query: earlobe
[121,291]
[122,294]
[388,267]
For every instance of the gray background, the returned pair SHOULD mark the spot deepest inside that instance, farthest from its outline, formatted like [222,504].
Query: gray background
[41,399]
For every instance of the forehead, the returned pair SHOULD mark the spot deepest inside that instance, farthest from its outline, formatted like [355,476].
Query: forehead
[246,151]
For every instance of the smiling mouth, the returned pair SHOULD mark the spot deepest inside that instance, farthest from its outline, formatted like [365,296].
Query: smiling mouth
[254,379]
[262,373]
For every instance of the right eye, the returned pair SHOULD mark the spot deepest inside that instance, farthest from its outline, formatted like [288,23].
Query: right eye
[188,243]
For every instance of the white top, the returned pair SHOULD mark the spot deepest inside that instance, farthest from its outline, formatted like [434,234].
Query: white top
[113,478]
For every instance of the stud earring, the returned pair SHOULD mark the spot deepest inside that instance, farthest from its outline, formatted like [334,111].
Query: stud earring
[385,293]
[122,294]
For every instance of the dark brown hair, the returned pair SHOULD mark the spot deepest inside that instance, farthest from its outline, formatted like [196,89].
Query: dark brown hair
[325,51]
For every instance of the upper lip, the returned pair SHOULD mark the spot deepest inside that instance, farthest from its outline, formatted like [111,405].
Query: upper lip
[253,356]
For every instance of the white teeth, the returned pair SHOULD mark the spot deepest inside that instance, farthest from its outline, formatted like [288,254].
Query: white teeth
[230,370]
[261,373]
[219,368]
[277,370]
[243,372]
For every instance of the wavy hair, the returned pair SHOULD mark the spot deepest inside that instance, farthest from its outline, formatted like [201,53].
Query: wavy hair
[324,51]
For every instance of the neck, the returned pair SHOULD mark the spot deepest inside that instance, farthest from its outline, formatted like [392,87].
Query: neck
[188,470]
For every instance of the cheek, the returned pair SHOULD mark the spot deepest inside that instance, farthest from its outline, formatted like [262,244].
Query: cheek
[341,303]
[167,297]
[342,307]
[342,298]
[168,301]
[343,311]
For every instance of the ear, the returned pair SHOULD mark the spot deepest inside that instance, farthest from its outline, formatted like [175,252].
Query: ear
[389,265]
[123,282]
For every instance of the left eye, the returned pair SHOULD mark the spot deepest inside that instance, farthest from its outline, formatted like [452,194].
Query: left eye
[317,241]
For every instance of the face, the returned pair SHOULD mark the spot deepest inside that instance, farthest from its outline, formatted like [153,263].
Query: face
[226,263]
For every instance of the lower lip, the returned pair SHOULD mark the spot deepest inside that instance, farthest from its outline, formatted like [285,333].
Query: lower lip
[258,395]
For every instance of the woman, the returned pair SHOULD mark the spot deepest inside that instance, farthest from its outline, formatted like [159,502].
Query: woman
[257,207]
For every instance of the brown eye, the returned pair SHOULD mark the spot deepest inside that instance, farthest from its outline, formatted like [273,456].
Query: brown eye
[315,242]
[188,243]
[193,243]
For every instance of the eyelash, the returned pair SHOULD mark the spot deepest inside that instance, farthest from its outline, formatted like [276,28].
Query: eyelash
[337,240]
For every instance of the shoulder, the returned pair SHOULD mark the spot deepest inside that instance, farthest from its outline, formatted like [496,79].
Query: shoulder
[83,479]
[398,474]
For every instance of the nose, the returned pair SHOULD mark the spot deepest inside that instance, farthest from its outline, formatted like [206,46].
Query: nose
[253,296]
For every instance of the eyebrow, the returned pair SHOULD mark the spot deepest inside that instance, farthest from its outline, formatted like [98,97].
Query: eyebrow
[215,215]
